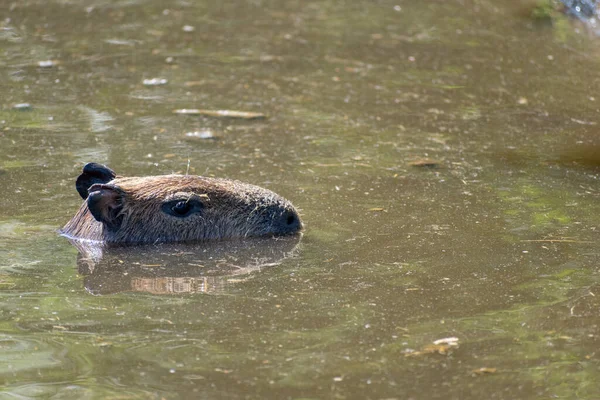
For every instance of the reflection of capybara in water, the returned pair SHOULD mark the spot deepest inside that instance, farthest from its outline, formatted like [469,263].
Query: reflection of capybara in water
[210,267]
[175,208]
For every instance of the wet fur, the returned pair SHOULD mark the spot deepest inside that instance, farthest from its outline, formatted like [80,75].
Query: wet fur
[232,209]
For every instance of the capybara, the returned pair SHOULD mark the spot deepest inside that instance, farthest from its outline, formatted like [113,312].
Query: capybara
[175,208]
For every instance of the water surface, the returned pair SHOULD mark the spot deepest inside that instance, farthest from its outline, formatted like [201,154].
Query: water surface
[493,243]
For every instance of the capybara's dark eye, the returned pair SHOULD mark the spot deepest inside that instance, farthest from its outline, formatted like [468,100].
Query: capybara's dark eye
[182,208]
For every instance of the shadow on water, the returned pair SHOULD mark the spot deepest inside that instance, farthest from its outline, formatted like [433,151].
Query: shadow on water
[585,156]
[210,267]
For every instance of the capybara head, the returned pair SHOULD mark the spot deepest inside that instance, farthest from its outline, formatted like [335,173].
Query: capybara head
[175,208]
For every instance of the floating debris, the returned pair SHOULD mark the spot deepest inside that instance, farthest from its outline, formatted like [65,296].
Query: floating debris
[245,128]
[450,341]
[484,371]
[188,28]
[194,83]
[582,122]
[121,42]
[60,327]
[441,346]
[23,107]
[47,63]
[200,135]
[221,113]
[154,82]
[377,209]
[430,349]
[424,163]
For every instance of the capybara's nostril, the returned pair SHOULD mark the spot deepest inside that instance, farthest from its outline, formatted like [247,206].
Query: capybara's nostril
[291,219]
[289,222]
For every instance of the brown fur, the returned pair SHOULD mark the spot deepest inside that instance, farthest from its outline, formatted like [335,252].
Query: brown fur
[231,209]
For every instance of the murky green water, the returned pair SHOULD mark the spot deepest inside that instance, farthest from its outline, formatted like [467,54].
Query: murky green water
[497,245]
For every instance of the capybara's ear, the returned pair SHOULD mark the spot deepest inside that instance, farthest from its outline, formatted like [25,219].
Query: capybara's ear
[93,173]
[105,202]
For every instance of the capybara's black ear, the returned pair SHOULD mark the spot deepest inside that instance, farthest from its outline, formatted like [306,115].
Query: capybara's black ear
[105,202]
[93,173]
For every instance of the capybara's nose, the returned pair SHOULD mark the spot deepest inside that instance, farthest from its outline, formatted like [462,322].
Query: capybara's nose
[287,222]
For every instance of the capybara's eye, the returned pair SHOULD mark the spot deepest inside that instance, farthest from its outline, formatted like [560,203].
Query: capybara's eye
[182,208]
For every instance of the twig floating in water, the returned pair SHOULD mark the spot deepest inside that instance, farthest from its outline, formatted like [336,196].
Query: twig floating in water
[424,163]
[200,135]
[221,113]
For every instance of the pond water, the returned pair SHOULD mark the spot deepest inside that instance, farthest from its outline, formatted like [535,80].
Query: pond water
[444,155]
